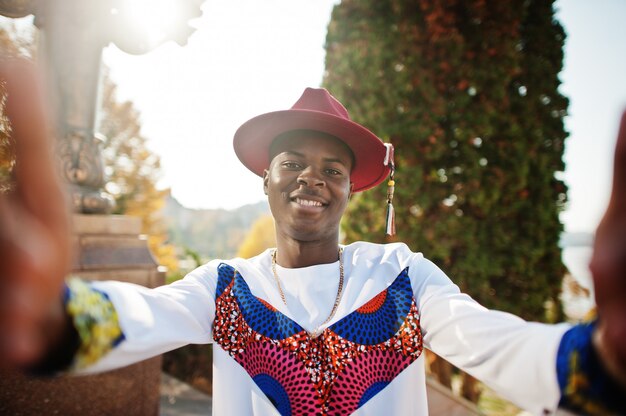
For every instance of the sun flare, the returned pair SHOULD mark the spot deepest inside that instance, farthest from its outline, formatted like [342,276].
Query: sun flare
[155,19]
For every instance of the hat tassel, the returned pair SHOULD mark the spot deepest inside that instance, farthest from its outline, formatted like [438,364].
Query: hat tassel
[390,227]
[391,220]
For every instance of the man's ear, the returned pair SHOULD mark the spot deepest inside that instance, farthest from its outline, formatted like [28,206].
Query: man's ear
[266,179]
[351,192]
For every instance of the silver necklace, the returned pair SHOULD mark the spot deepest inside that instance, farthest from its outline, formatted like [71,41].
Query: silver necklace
[314,333]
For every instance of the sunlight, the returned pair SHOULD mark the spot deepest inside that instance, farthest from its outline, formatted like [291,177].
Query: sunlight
[155,19]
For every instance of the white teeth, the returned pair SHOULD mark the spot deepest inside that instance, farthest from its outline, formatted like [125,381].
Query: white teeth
[308,202]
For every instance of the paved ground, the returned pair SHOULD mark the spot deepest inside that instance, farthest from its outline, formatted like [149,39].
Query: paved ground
[180,399]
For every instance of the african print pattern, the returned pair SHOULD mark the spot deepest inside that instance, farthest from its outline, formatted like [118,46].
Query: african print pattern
[333,374]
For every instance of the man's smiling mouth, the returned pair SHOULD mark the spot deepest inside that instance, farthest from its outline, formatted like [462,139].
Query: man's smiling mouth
[307,202]
[304,199]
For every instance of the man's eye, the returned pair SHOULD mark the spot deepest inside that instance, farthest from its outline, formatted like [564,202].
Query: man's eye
[333,172]
[291,165]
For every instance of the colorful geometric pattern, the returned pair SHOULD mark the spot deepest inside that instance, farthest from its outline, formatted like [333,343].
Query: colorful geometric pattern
[380,318]
[281,377]
[366,376]
[333,374]
[259,314]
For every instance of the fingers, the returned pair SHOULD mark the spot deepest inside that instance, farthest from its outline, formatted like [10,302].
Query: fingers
[31,272]
[34,222]
[36,177]
[19,345]
[18,287]
[618,195]
[608,266]
[38,188]
[609,339]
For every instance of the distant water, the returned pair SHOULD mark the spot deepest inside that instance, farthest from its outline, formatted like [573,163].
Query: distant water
[576,254]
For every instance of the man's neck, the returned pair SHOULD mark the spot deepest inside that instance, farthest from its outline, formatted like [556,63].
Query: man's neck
[293,254]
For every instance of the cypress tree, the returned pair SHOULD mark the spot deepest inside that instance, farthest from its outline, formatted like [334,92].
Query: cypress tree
[467,91]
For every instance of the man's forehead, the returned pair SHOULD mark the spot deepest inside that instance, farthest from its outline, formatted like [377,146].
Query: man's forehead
[306,142]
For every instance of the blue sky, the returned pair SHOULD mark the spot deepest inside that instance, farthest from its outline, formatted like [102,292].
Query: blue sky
[593,79]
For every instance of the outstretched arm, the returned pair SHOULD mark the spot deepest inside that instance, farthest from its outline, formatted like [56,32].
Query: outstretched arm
[34,229]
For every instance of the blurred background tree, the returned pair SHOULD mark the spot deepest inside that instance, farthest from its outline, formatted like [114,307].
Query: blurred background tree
[133,171]
[13,43]
[7,155]
[467,91]
[260,237]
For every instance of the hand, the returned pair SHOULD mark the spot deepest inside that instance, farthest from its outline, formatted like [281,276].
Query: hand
[608,267]
[34,228]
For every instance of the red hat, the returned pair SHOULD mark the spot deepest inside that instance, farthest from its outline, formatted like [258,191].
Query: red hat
[316,110]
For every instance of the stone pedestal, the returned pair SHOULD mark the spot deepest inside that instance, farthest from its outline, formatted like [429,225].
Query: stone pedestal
[110,247]
[107,247]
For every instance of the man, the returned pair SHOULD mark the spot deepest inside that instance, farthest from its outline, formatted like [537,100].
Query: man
[312,326]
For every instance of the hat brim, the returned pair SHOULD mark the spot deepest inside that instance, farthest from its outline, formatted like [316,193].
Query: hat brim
[253,139]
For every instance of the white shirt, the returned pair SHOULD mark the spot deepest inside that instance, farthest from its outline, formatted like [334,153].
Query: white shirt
[514,357]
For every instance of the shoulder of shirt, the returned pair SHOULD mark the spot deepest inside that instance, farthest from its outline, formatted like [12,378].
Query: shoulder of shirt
[388,258]
[400,250]
[234,262]
[253,264]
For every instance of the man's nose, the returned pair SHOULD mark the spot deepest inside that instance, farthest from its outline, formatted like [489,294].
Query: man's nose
[311,177]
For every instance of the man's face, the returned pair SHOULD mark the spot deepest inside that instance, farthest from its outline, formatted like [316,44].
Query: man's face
[308,186]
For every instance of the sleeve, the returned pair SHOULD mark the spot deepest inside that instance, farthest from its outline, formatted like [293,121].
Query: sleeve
[514,357]
[586,387]
[122,323]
